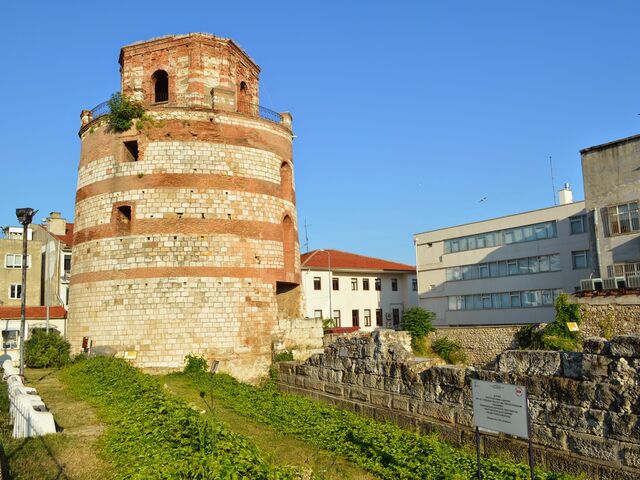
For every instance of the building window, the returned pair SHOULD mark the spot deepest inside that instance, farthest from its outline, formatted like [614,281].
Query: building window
[526,233]
[131,151]
[396,317]
[14,260]
[355,318]
[15,291]
[354,284]
[336,317]
[378,317]
[122,215]
[335,283]
[317,283]
[623,218]
[414,284]
[523,299]
[516,266]
[394,284]
[365,284]
[10,339]
[67,264]
[580,259]
[317,314]
[578,224]
[378,284]
[367,318]
[160,86]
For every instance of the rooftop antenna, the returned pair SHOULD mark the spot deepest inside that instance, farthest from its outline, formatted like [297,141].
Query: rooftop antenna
[553,183]
[306,236]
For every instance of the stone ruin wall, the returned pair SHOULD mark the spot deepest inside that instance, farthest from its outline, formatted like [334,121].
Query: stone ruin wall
[585,406]
[602,316]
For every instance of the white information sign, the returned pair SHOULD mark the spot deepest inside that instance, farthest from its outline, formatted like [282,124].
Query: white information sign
[500,407]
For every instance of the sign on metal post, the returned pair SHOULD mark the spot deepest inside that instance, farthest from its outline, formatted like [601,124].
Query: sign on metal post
[499,407]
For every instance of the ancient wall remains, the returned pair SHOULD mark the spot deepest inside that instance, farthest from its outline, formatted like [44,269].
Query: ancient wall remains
[585,406]
[186,229]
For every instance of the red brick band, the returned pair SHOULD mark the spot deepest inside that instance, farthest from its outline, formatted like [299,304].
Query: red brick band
[183,226]
[266,275]
[191,181]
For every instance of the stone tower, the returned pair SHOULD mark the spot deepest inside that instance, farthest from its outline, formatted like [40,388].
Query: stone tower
[185,228]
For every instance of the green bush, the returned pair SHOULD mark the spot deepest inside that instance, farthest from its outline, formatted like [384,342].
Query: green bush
[554,335]
[285,356]
[448,350]
[122,112]
[194,364]
[44,350]
[153,435]
[417,322]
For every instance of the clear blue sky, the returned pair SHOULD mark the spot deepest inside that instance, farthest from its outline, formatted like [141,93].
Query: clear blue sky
[407,113]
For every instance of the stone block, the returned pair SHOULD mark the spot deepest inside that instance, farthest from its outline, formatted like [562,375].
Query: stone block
[614,473]
[593,447]
[530,362]
[572,364]
[549,437]
[622,426]
[380,399]
[438,411]
[625,346]
[596,346]
[399,403]
[595,367]
[333,389]
[359,394]
[630,454]
[559,461]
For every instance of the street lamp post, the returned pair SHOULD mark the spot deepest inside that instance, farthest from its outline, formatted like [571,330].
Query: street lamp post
[25,216]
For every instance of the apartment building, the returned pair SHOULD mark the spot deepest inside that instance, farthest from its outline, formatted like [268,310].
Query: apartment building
[506,270]
[611,174]
[356,290]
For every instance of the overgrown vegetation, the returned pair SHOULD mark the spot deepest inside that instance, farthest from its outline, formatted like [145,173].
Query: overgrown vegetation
[449,350]
[284,356]
[417,322]
[194,364]
[122,112]
[555,335]
[386,450]
[153,435]
[44,350]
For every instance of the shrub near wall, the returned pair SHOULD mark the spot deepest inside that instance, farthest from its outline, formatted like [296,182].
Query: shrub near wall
[152,435]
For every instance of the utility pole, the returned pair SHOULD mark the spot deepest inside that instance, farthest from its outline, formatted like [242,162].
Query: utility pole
[25,216]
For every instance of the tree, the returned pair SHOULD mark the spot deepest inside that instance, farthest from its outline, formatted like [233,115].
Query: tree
[417,322]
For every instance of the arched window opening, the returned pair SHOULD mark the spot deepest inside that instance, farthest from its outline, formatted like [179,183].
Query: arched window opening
[289,247]
[244,103]
[160,86]
[286,181]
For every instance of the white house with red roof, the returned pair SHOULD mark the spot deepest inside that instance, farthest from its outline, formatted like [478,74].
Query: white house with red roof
[356,290]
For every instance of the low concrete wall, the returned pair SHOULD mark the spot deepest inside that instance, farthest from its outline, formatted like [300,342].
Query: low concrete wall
[610,315]
[585,406]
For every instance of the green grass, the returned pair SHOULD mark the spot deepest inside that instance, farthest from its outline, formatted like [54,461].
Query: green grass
[279,448]
[383,449]
[71,454]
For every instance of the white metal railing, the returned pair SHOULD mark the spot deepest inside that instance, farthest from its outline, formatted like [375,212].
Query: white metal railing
[624,269]
[27,412]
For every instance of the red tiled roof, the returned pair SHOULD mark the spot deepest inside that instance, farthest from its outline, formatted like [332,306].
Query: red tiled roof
[338,260]
[67,238]
[34,313]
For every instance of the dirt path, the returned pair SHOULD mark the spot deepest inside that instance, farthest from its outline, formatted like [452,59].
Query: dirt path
[280,449]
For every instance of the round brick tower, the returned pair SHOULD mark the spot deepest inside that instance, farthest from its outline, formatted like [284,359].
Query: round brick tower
[185,228]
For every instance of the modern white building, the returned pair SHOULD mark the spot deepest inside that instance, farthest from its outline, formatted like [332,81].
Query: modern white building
[506,270]
[356,290]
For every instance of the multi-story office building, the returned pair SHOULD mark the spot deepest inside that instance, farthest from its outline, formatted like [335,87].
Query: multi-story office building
[356,290]
[611,174]
[506,270]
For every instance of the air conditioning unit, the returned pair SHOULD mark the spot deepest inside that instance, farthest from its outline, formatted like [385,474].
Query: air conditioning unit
[609,283]
[598,284]
[621,282]
[586,284]
[633,281]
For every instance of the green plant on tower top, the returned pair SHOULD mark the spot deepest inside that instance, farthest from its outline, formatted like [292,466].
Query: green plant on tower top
[122,111]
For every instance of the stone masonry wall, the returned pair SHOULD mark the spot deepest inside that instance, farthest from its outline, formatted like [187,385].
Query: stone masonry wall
[585,407]
[481,345]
